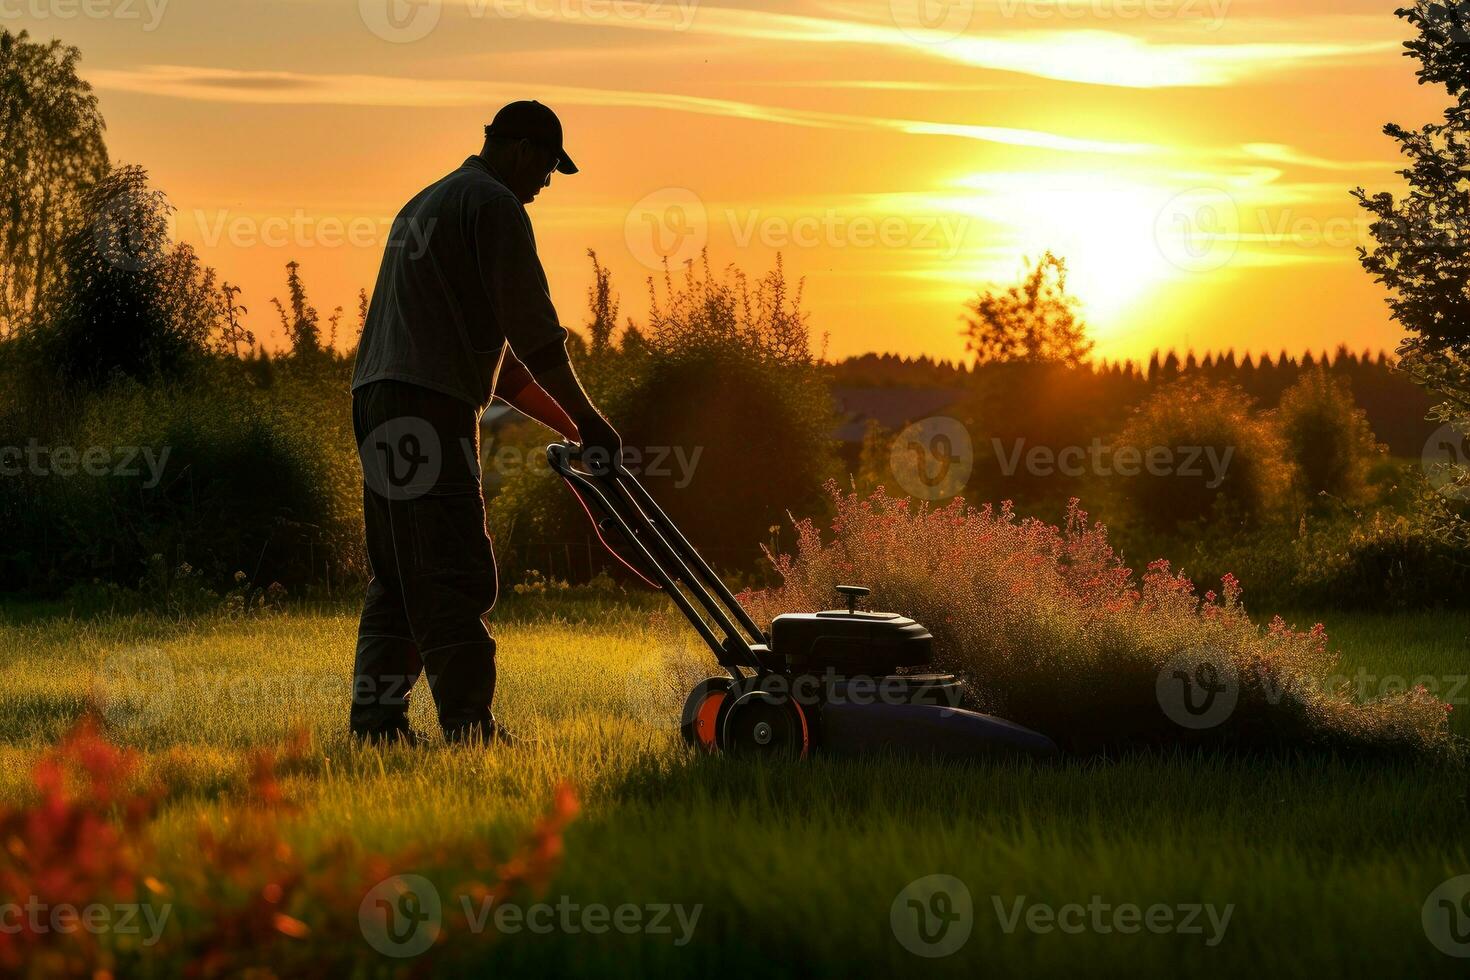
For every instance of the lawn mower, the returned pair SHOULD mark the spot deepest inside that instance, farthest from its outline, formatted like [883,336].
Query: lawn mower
[845,681]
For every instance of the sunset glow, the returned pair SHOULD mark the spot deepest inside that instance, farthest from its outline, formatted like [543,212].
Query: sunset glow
[1191,160]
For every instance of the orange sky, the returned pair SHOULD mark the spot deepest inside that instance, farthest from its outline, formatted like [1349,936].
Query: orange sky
[1190,158]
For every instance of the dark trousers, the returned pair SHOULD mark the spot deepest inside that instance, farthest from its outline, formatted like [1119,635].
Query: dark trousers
[433,569]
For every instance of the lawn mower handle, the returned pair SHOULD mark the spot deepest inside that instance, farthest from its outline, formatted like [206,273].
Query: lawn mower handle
[663,550]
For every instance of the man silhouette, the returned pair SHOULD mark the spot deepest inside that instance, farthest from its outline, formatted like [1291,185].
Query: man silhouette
[460,315]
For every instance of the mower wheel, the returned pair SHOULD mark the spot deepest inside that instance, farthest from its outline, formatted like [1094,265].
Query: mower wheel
[762,723]
[701,708]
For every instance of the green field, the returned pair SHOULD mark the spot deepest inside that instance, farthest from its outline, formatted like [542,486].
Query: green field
[1323,866]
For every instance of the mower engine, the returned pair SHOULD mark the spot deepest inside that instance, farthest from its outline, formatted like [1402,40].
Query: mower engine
[844,679]
[850,641]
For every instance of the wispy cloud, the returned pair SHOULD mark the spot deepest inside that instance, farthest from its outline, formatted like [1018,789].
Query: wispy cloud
[1010,36]
[1277,153]
[288,88]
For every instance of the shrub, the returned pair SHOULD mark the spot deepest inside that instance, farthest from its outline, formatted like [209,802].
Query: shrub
[1225,461]
[1053,631]
[1328,437]
[200,482]
[1385,563]
[729,381]
[1391,558]
[727,414]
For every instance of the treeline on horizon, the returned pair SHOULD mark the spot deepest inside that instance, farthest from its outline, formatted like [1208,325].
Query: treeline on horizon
[1396,408]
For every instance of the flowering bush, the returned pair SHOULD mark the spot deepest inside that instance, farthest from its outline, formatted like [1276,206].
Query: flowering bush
[1053,631]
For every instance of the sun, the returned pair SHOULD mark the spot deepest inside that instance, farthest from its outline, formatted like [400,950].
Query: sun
[1105,228]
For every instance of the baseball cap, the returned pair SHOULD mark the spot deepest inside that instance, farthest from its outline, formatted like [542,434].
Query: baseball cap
[530,120]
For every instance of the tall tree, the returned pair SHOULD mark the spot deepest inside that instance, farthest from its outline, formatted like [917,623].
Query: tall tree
[1421,253]
[1035,321]
[51,154]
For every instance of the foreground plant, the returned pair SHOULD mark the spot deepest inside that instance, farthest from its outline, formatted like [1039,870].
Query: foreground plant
[1052,630]
[239,897]
[79,847]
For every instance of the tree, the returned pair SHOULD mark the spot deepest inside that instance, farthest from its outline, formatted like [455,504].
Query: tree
[1239,475]
[1420,253]
[300,323]
[602,304]
[1328,437]
[131,303]
[1034,321]
[51,154]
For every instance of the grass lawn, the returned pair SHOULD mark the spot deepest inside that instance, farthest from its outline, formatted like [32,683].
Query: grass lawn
[1322,867]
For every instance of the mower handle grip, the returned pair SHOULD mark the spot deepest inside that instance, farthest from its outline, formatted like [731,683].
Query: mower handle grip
[563,454]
